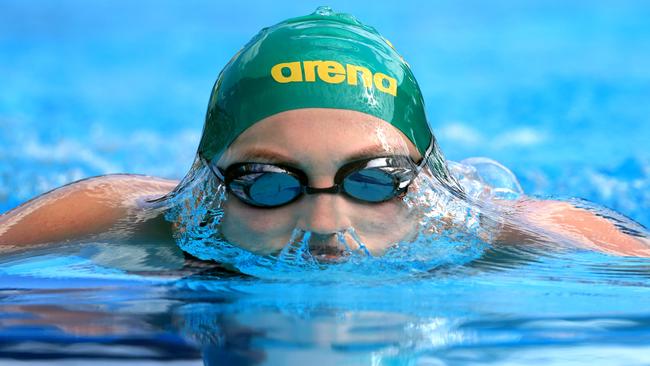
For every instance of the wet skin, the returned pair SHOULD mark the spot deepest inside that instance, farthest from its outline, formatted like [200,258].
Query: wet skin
[99,208]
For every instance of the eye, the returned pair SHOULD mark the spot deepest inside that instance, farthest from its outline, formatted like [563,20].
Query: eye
[272,189]
[373,185]
[266,189]
[238,185]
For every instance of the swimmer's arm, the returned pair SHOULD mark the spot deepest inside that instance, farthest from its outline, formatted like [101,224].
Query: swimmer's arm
[576,224]
[76,211]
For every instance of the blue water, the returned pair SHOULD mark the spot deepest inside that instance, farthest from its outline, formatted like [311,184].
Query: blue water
[557,91]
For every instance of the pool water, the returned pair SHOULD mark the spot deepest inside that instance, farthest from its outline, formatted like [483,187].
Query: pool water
[555,91]
[508,308]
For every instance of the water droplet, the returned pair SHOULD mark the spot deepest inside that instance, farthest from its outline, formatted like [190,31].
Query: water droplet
[324,10]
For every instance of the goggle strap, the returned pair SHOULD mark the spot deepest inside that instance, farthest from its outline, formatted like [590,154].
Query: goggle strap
[214,168]
[426,155]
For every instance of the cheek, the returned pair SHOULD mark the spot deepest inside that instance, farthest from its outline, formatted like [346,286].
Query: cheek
[256,229]
[382,225]
[382,217]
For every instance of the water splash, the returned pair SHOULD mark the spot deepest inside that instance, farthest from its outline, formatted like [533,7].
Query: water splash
[459,215]
[450,231]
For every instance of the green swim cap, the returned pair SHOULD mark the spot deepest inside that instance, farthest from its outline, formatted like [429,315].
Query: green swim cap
[322,60]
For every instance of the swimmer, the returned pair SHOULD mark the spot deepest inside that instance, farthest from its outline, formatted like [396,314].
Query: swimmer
[316,132]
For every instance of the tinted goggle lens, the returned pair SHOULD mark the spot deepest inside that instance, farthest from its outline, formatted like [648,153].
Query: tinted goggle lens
[372,185]
[274,189]
[277,189]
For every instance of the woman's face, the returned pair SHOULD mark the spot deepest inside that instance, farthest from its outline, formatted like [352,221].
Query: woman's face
[318,141]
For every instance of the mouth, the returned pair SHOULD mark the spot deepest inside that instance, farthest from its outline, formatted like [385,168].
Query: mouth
[328,253]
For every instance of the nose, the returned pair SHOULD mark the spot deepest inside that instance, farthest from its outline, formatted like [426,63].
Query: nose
[323,213]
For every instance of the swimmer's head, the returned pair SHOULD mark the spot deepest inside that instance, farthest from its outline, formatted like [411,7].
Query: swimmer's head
[315,95]
[322,60]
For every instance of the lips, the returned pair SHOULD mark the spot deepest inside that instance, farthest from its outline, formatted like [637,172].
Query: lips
[330,251]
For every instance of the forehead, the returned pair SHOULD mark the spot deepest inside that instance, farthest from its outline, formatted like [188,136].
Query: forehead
[321,133]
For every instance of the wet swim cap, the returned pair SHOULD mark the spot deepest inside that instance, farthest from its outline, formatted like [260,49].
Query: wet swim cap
[321,60]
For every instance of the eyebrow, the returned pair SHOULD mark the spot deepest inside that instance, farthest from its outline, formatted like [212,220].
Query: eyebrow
[274,157]
[267,156]
[368,152]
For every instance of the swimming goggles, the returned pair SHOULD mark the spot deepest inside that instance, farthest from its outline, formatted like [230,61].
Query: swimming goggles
[371,180]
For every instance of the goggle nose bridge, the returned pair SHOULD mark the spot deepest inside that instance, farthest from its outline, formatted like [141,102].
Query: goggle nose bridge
[329,190]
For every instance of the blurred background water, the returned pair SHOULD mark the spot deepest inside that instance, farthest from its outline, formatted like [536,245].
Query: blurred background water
[559,91]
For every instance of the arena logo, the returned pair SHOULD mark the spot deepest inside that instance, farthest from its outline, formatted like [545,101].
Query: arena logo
[332,72]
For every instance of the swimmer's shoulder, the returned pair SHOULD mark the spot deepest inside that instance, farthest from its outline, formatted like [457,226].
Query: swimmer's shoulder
[82,209]
[568,222]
